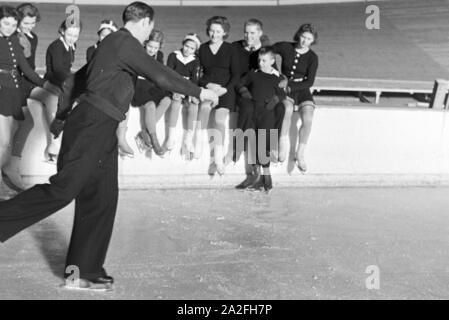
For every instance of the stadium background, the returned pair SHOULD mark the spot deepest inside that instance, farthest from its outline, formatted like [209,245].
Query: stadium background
[350,143]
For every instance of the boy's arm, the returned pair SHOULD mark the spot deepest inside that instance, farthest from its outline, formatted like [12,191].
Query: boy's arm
[279,95]
[242,88]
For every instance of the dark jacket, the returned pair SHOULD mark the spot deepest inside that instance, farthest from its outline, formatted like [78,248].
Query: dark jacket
[111,75]
[300,69]
[59,62]
[12,58]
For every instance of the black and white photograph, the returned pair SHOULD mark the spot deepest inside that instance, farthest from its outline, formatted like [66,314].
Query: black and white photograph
[224,150]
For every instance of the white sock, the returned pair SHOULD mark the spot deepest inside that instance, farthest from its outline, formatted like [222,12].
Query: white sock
[301,149]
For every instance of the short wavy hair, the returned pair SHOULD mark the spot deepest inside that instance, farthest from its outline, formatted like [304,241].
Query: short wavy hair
[268,50]
[66,24]
[156,36]
[253,22]
[9,12]
[223,21]
[306,27]
[28,10]
[137,11]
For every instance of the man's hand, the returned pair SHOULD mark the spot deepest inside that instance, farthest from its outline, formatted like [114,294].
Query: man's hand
[194,100]
[209,95]
[221,91]
[213,86]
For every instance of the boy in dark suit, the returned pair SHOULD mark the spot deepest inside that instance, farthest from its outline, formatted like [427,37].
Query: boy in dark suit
[261,92]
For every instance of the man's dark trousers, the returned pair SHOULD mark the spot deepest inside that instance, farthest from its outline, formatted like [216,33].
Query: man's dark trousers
[87,172]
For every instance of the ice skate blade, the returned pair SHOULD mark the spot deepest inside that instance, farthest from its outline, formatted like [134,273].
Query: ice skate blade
[86,287]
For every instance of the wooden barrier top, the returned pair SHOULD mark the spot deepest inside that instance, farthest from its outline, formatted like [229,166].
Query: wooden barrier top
[372,85]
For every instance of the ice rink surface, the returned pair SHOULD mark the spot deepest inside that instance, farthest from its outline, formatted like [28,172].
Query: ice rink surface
[295,243]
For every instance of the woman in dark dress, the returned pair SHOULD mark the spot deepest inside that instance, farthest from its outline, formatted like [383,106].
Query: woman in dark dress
[29,16]
[219,62]
[299,65]
[12,64]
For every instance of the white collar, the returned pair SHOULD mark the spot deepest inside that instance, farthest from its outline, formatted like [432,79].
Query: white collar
[246,47]
[297,51]
[273,71]
[29,34]
[66,46]
[184,60]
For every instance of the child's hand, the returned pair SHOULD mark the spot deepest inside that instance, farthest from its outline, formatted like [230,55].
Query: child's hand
[271,103]
[177,96]
[284,83]
[194,100]
[244,93]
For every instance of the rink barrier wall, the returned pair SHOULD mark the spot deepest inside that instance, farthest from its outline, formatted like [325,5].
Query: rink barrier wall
[201,2]
[349,146]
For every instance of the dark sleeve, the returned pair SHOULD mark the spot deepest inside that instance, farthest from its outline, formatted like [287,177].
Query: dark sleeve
[195,72]
[171,61]
[34,51]
[160,57]
[245,80]
[24,66]
[73,86]
[310,77]
[89,53]
[279,50]
[235,69]
[139,62]
[278,47]
[279,91]
[201,81]
[59,70]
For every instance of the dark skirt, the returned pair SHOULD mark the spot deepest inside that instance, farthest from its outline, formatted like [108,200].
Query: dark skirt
[302,98]
[11,102]
[227,101]
[147,91]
